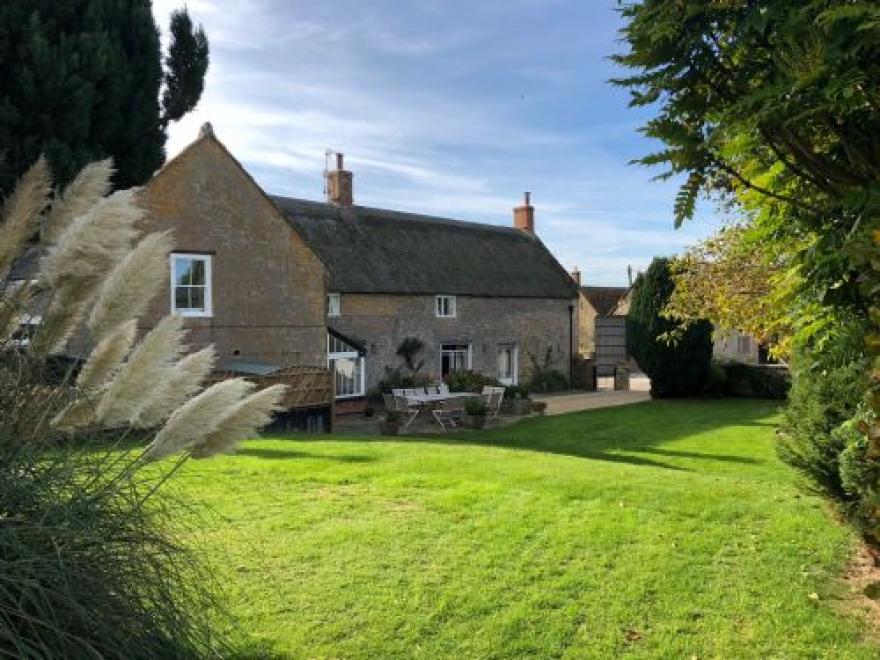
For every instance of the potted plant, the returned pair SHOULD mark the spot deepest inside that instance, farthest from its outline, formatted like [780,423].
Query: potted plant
[391,424]
[516,400]
[475,413]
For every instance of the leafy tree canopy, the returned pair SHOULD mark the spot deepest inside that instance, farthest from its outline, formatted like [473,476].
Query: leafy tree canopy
[775,105]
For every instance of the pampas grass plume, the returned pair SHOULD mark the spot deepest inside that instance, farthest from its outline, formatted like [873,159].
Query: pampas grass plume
[146,366]
[180,383]
[20,212]
[90,185]
[106,358]
[198,417]
[93,242]
[242,422]
[132,284]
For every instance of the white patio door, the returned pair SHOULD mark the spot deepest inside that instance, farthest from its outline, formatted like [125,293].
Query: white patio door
[507,364]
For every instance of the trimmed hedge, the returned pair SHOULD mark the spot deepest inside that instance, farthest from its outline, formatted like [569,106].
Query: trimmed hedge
[753,380]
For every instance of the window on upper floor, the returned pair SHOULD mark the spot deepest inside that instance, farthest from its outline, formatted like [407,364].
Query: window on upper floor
[445,306]
[191,284]
[334,304]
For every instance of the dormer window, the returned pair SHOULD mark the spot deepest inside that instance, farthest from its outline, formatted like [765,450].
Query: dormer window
[334,304]
[445,307]
[191,284]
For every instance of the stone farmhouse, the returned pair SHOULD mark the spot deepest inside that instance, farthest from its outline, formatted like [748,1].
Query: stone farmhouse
[275,282]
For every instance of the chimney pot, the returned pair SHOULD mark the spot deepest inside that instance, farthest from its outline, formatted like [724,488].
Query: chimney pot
[524,216]
[576,275]
[339,184]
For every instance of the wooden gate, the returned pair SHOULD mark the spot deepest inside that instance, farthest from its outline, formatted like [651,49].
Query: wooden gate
[610,343]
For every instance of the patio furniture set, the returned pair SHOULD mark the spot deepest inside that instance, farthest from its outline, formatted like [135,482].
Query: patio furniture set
[447,409]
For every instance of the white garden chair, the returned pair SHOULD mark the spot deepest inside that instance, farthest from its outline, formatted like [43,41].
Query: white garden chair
[493,396]
[449,414]
[407,409]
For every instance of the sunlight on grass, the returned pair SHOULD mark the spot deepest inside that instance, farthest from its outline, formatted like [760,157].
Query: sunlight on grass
[664,529]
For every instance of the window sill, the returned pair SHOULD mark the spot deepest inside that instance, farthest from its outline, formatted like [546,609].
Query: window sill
[192,314]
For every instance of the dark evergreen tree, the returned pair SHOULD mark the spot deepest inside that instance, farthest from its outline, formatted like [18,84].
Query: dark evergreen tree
[679,368]
[186,65]
[80,80]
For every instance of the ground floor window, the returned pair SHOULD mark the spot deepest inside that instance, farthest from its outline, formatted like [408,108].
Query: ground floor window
[454,357]
[348,362]
[507,364]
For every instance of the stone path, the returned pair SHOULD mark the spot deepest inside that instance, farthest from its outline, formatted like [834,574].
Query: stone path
[558,404]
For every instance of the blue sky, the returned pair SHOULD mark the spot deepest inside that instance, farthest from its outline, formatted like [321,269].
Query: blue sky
[444,107]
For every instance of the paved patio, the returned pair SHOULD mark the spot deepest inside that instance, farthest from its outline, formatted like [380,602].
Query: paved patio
[557,404]
[567,402]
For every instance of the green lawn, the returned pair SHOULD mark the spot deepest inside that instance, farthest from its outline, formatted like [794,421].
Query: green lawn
[663,529]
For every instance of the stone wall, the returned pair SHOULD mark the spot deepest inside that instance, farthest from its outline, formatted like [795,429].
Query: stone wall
[381,321]
[586,345]
[268,286]
[732,345]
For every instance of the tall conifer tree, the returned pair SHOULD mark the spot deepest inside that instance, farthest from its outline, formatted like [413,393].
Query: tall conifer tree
[80,80]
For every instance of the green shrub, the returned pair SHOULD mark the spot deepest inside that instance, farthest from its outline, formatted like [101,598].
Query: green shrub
[409,350]
[91,559]
[406,375]
[476,407]
[469,381]
[761,381]
[679,367]
[398,378]
[544,377]
[823,431]
[515,392]
[716,383]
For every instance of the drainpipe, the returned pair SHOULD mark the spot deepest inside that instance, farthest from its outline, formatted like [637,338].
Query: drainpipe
[570,345]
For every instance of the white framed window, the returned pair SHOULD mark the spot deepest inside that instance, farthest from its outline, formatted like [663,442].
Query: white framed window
[334,304]
[445,307]
[191,284]
[508,364]
[349,365]
[454,357]
[27,322]
[27,326]
[743,344]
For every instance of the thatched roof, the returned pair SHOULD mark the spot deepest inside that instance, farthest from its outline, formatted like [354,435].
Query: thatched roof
[604,299]
[369,250]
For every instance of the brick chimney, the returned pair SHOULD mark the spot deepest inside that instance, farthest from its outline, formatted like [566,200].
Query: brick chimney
[339,185]
[576,275]
[524,216]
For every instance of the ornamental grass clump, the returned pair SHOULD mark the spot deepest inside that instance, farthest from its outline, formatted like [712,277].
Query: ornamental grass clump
[91,562]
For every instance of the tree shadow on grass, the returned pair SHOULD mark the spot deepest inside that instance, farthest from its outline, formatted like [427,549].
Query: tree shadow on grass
[633,434]
[289,453]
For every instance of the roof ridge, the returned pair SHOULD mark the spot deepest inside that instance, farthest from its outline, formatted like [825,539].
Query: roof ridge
[403,215]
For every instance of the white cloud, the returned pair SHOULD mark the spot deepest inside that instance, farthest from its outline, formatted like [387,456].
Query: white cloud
[425,101]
